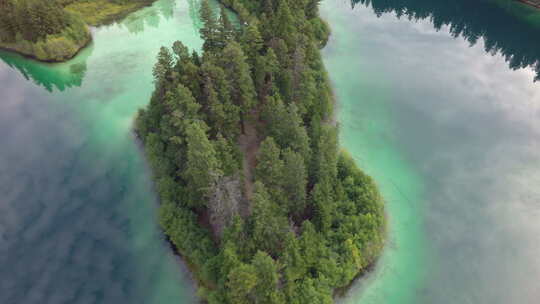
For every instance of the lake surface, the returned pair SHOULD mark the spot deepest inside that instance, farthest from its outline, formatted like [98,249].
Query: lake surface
[438,102]
[441,108]
[78,220]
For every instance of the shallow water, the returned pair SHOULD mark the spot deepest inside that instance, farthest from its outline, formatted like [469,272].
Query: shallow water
[77,209]
[442,110]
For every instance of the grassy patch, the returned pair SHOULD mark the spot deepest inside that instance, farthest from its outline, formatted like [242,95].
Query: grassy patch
[98,12]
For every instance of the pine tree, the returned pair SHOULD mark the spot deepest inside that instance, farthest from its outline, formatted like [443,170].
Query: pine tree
[241,283]
[238,74]
[181,51]
[209,31]
[269,165]
[284,23]
[294,179]
[226,31]
[293,259]
[222,113]
[269,223]
[312,8]
[252,42]
[202,169]
[226,155]
[266,290]
[163,66]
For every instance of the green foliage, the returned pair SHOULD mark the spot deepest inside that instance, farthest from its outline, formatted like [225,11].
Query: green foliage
[41,29]
[237,71]
[209,31]
[55,30]
[255,108]
[202,168]
[294,180]
[269,166]
[241,283]
[99,12]
[268,222]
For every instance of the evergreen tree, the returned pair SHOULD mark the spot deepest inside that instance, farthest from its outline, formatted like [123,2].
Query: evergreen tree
[202,169]
[293,259]
[163,66]
[266,290]
[269,165]
[284,23]
[238,74]
[181,51]
[226,155]
[252,42]
[269,225]
[209,31]
[294,179]
[241,283]
[312,8]
[223,114]
[226,31]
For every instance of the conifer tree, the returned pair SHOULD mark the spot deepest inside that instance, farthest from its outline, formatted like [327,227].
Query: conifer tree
[241,283]
[269,165]
[266,290]
[238,74]
[202,169]
[226,31]
[223,114]
[269,224]
[181,51]
[284,22]
[163,66]
[312,8]
[209,31]
[252,42]
[294,182]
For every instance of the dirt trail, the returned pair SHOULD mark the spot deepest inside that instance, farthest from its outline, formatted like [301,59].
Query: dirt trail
[249,145]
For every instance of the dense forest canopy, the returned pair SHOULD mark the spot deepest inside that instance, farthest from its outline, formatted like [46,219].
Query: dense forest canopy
[254,190]
[473,20]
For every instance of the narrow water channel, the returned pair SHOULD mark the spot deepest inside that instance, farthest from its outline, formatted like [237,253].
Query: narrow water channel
[437,101]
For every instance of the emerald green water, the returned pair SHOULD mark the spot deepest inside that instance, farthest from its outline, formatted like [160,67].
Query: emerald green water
[437,101]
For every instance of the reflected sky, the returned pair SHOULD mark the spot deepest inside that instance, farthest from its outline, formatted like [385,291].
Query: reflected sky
[77,209]
[504,26]
[469,126]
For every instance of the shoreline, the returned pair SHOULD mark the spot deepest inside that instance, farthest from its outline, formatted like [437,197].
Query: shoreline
[30,56]
[531,3]
[12,47]
[377,248]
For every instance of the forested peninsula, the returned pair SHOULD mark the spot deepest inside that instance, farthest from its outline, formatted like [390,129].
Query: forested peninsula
[56,30]
[255,193]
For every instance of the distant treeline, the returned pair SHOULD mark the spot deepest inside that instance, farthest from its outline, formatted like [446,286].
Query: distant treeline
[515,39]
[254,189]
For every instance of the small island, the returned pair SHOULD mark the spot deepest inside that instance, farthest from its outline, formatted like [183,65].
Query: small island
[254,190]
[56,30]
